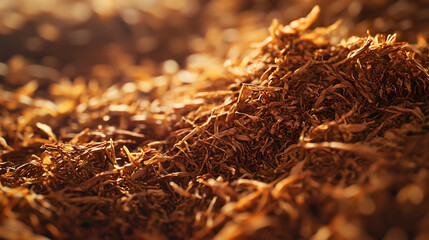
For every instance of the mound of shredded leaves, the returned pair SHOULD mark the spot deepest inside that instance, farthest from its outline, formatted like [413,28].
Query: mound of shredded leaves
[302,138]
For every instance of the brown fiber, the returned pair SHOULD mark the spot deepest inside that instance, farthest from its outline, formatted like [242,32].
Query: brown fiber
[301,138]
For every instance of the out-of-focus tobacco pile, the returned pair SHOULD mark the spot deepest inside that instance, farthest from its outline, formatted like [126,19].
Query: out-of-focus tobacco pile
[304,136]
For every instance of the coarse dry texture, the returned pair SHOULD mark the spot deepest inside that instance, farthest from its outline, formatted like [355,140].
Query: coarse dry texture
[302,138]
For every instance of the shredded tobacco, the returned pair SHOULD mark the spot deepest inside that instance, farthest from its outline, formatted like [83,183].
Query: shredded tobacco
[304,137]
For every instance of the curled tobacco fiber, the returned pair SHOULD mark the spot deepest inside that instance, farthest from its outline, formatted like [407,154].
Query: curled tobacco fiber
[302,138]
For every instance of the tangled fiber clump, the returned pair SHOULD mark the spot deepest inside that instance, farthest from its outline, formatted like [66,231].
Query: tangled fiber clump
[302,138]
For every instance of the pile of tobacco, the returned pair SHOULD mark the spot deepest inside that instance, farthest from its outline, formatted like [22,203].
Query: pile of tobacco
[306,134]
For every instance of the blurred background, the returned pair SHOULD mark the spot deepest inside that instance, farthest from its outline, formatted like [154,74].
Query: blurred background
[106,37]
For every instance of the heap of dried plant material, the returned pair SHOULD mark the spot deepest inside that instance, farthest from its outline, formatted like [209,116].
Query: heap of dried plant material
[303,138]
